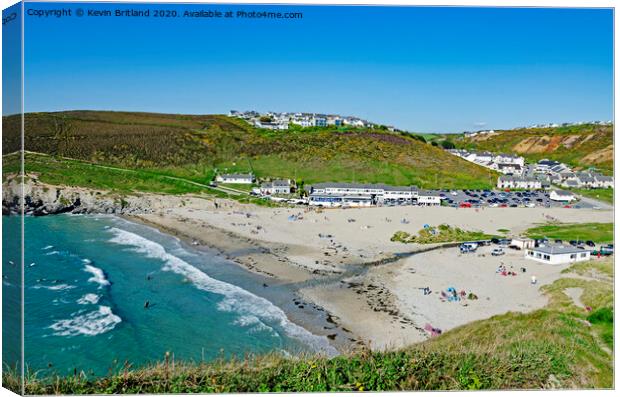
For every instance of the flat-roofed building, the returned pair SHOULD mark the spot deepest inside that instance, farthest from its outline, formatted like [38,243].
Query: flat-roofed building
[235,178]
[428,198]
[557,254]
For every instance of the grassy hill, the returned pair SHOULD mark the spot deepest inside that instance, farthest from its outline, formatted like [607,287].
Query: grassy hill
[559,346]
[195,146]
[587,145]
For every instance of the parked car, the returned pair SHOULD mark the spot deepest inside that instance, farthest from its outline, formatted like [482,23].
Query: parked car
[590,243]
[497,252]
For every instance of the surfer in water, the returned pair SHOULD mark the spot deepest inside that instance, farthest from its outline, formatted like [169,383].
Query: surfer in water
[147,304]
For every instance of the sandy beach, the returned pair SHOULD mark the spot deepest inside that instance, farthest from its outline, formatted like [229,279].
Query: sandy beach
[343,261]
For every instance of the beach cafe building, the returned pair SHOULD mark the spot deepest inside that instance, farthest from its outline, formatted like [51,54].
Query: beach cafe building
[360,195]
[557,254]
[340,200]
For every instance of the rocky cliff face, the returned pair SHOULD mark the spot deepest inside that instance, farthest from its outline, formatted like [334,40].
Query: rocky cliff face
[41,199]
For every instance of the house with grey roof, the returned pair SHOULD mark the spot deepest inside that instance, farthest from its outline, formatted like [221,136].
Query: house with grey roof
[562,196]
[557,254]
[278,186]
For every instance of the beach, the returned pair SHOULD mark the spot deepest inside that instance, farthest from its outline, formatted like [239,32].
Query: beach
[343,261]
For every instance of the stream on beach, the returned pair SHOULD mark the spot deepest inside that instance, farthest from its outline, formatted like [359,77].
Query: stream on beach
[101,291]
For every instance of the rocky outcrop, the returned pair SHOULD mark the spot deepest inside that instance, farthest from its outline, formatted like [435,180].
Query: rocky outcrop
[42,199]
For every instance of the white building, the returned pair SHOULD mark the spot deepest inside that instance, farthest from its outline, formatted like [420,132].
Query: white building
[507,168]
[279,186]
[271,125]
[247,179]
[339,200]
[347,188]
[428,198]
[336,194]
[557,254]
[399,194]
[518,182]
[509,159]
[319,121]
[561,195]
[523,242]
[605,182]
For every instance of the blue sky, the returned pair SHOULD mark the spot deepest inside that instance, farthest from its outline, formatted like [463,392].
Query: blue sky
[420,69]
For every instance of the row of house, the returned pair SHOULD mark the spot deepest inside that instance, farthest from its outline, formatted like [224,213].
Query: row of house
[275,187]
[366,195]
[282,120]
[507,164]
[523,182]
[580,180]
[555,125]
[470,134]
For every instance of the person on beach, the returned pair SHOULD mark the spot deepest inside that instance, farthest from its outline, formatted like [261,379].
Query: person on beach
[534,280]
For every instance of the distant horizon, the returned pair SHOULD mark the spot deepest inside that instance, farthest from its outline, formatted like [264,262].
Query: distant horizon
[423,69]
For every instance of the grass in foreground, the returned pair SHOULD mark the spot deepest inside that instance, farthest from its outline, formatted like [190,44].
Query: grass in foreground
[440,234]
[597,232]
[559,346]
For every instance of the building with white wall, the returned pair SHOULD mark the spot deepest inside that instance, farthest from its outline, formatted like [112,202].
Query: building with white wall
[518,182]
[429,198]
[557,254]
[235,178]
[561,195]
[278,186]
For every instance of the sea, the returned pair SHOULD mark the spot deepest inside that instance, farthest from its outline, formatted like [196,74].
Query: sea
[102,293]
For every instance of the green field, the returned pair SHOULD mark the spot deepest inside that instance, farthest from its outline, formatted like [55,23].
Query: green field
[597,232]
[605,195]
[552,347]
[581,146]
[195,147]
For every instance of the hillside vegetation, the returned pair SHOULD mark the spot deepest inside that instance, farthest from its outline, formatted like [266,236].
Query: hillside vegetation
[561,345]
[194,146]
[587,145]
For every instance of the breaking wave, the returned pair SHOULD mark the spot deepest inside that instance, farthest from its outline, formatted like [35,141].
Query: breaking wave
[57,287]
[250,307]
[89,299]
[98,275]
[93,323]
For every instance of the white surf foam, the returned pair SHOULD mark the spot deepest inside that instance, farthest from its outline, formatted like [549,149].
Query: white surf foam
[88,299]
[236,299]
[53,253]
[98,275]
[93,323]
[57,287]
[47,247]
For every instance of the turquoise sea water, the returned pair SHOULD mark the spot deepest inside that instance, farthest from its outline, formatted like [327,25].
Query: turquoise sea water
[87,280]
